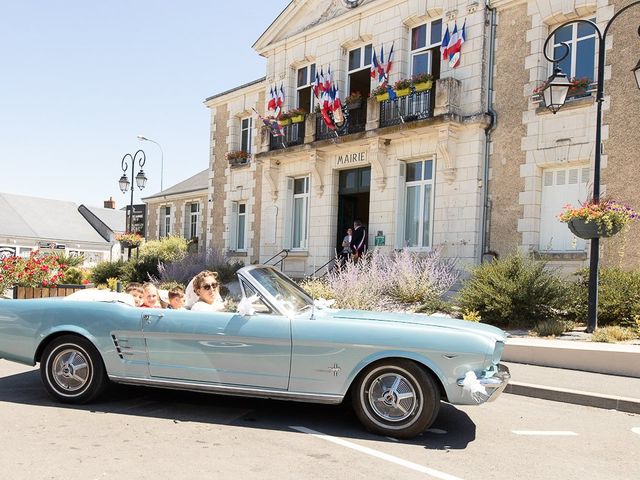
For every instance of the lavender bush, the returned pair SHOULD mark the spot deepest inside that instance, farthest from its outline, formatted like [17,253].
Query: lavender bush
[183,270]
[380,280]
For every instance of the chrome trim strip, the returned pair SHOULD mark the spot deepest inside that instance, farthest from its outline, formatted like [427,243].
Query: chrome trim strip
[230,390]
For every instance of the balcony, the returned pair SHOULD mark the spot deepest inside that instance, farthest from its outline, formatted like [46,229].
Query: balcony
[293,135]
[357,123]
[409,108]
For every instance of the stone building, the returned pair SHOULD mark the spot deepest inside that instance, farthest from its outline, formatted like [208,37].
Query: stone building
[541,161]
[181,210]
[474,165]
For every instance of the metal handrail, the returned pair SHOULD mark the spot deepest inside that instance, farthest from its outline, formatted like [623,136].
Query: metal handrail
[284,253]
[332,259]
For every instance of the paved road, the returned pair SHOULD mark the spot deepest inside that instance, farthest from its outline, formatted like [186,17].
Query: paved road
[154,434]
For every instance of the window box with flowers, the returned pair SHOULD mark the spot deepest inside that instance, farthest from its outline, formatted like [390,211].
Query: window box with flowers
[129,240]
[402,87]
[422,82]
[380,93]
[353,101]
[580,87]
[284,119]
[237,157]
[36,271]
[598,219]
[297,115]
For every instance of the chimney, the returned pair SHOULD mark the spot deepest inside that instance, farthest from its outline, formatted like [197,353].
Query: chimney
[111,203]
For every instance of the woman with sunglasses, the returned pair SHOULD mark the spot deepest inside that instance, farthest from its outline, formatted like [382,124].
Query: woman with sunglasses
[206,286]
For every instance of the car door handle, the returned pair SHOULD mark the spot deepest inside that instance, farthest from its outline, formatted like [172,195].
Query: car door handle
[146,318]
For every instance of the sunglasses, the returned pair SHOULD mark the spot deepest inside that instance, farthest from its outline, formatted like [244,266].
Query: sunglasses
[209,286]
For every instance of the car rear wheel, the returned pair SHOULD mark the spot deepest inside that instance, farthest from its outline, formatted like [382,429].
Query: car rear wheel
[72,370]
[396,399]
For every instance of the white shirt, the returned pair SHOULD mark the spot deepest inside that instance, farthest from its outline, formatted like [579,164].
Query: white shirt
[201,306]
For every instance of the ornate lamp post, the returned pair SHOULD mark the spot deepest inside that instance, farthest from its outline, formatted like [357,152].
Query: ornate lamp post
[555,94]
[142,138]
[140,178]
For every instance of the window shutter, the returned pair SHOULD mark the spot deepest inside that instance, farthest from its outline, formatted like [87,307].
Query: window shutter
[287,223]
[187,221]
[161,222]
[233,227]
[400,207]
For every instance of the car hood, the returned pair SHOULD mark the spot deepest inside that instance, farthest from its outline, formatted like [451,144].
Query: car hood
[420,319]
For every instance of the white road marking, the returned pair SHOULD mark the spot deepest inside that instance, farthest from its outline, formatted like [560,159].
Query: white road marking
[375,453]
[636,430]
[550,433]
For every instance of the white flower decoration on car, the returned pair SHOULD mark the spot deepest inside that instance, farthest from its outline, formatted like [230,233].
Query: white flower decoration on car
[473,385]
[323,303]
[245,306]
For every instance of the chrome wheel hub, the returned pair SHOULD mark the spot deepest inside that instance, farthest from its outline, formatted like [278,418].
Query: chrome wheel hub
[392,397]
[70,370]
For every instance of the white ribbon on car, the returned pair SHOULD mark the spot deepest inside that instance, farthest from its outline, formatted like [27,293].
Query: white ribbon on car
[473,385]
[323,303]
[245,306]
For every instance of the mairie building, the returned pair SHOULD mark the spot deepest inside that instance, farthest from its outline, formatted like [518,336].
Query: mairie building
[473,166]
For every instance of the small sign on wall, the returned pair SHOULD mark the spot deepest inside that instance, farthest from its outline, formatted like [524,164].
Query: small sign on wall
[6,251]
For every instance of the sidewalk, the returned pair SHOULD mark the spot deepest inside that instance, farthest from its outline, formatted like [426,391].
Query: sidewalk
[583,373]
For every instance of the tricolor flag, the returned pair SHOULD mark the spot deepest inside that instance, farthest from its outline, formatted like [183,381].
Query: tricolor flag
[328,79]
[381,75]
[272,100]
[374,65]
[387,67]
[445,44]
[455,44]
[280,98]
[321,81]
[316,85]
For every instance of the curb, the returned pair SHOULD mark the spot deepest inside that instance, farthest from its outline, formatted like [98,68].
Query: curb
[576,397]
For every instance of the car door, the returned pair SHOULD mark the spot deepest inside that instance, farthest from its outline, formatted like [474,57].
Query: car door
[218,347]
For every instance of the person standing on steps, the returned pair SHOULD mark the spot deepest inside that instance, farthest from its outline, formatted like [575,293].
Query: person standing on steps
[358,240]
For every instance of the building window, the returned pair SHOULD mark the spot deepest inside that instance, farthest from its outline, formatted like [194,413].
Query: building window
[192,220]
[305,78]
[418,191]
[561,186]
[300,213]
[238,227]
[425,48]
[165,222]
[360,70]
[581,40]
[245,135]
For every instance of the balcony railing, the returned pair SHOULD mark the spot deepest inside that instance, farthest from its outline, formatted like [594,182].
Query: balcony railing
[412,107]
[356,123]
[293,135]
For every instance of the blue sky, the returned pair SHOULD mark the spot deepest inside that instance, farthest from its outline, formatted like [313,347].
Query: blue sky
[80,79]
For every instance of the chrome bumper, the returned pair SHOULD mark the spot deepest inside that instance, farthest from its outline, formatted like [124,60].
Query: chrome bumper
[494,382]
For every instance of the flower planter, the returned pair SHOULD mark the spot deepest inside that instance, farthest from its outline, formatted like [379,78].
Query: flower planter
[354,105]
[403,92]
[421,87]
[589,230]
[382,97]
[284,121]
[127,244]
[297,119]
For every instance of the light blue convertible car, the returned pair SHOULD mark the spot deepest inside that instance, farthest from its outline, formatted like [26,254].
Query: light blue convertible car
[396,367]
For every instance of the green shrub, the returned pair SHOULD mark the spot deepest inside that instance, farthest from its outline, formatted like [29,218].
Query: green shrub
[73,275]
[167,249]
[68,260]
[613,334]
[552,327]
[516,291]
[618,296]
[105,270]
[471,315]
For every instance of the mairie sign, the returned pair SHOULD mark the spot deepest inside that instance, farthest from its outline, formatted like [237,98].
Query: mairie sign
[351,158]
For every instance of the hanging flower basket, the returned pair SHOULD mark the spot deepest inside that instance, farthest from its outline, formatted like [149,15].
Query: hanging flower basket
[592,219]
[590,230]
[129,240]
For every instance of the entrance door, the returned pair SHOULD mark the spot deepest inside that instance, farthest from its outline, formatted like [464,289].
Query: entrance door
[353,200]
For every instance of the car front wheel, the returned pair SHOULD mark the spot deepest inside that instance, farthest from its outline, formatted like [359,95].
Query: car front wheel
[72,370]
[396,399]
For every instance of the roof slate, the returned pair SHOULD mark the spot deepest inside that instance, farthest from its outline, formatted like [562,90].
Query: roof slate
[200,181]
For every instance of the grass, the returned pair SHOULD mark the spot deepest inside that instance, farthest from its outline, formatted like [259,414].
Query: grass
[613,334]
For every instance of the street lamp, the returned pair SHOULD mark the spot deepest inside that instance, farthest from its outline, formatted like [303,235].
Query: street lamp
[140,178]
[557,94]
[142,138]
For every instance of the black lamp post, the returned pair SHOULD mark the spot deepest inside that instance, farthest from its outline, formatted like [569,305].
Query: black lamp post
[555,94]
[140,178]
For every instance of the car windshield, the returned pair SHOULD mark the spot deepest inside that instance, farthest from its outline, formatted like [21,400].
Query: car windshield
[288,295]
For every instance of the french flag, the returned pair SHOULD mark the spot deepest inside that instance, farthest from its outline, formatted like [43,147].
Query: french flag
[337,104]
[381,65]
[445,44]
[387,67]
[328,80]
[316,86]
[272,100]
[374,65]
[455,45]
[280,98]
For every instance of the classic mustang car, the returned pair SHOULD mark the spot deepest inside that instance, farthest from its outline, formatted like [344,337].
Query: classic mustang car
[284,345]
